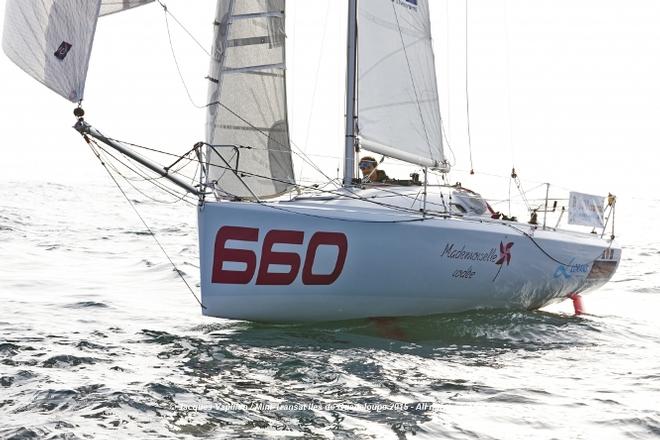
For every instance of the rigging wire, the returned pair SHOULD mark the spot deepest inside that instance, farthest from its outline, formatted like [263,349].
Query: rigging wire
[300,153]
[156,181]
[508,82]
[447,63]
[279,208]
[444,136]
[92,144]
[176,61]
[467,95]
[145,178]
[178,196]
[283,209]
[167,11]
[303,156]
[348,193]
[314,188]
[311,187]
[316,80]
[546,253]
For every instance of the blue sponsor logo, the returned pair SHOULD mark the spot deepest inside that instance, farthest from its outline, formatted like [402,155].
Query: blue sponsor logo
[567,271]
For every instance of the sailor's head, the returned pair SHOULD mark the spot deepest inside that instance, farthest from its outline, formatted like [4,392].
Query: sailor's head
[367,165]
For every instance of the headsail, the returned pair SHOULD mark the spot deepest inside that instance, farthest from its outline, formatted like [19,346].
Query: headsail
[398,105]
[51,40]
[111,6]
[247,101]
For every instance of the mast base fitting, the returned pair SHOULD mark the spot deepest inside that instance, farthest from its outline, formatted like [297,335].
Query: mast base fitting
[78,112]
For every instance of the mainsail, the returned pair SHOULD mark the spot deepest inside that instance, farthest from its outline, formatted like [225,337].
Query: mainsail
[398,105]
[247,126]
[51,40]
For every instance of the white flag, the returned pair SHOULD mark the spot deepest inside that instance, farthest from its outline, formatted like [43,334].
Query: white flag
[586,210]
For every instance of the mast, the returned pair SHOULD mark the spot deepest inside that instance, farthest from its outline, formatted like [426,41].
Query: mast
[349,151]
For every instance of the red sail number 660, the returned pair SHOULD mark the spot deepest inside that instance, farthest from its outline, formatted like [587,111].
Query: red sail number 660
[223,254]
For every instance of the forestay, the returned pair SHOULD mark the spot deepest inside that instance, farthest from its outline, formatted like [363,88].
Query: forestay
[247,115]
[398,105]
[51,40]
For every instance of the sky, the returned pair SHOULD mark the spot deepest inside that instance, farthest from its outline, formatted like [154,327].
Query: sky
[567,92]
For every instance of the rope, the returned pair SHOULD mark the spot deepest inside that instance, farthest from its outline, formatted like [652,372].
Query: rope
[178,197]
[311,187]
[314,188]
[258,130]
[92,146]
[176,62]
[301,152]
[508,82]
[154,181]
[167,11]
[316,80]
[348,194]
[539,246]
[444,136]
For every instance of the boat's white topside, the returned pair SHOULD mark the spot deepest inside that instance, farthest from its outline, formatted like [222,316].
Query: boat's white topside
[368,252]
[373,203]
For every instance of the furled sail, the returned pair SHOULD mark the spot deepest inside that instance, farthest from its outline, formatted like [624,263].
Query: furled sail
[51,40]
[398,105]
[247,125]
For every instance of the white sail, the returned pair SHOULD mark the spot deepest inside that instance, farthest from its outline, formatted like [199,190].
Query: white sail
[112,6]
[51,40]
[398,105]
[247,101]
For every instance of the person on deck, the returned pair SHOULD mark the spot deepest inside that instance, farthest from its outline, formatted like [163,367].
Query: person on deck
[368,165]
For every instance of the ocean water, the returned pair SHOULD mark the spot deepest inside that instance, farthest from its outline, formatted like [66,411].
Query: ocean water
[99,338]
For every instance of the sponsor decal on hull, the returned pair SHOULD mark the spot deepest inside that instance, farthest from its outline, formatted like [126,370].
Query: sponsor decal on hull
[567,271]
[452,251]
[505,257]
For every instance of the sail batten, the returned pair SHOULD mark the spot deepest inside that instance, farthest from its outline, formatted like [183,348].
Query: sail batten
[257,15]
[247,100]
[253,69]
[398,104]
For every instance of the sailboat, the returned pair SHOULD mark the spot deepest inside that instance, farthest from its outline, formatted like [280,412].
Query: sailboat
[272,250]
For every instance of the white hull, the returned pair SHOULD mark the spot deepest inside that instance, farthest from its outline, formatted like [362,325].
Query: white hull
[345,259]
